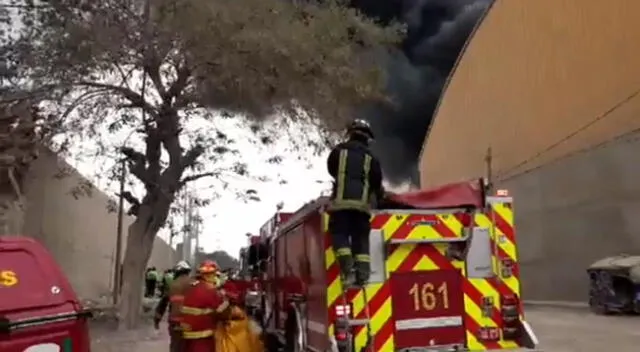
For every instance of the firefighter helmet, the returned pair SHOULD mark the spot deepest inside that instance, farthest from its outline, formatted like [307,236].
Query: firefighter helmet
[182,265]
[208,267]
[360,127]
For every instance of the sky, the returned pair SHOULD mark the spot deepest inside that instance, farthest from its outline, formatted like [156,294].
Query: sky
[227,219]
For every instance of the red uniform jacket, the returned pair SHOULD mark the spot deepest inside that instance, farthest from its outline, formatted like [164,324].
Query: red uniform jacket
[236,290]
[202,302]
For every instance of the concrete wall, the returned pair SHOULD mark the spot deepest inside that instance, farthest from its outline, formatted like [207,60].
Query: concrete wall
[576,210]
[80,233]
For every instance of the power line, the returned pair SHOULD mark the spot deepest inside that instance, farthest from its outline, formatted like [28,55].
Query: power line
[581,129]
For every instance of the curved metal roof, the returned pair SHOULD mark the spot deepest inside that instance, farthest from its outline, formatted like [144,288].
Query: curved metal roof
[539,80]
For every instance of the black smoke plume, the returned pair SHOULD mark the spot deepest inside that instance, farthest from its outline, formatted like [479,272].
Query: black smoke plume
[436,33]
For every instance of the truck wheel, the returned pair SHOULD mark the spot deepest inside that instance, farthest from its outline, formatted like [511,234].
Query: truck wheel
[272,343]
[292,335]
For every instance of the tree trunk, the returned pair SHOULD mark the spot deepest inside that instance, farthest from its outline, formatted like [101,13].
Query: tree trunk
[12,214]
[137,253]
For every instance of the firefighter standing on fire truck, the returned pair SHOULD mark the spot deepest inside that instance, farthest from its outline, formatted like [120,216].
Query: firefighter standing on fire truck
[173,297]
[203,307]
[356,188]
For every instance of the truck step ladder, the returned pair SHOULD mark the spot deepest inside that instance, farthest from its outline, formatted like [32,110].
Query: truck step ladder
[358,322]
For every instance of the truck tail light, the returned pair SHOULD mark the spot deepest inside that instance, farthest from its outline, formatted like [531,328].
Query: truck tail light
[487,306]
[506,268]
[502,193]
[343,310]
[488,334]
[342,334]
[510,312]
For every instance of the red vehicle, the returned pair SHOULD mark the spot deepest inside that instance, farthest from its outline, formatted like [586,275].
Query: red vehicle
[39,311]
[444,277]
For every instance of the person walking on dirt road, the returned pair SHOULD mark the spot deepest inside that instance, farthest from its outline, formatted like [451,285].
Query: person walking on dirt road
[150,282]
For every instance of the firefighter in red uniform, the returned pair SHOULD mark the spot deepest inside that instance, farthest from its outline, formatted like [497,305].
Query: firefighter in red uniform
[231,289]
[202,308]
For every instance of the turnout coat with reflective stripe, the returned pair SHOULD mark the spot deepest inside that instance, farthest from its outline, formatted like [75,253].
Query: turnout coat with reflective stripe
[173,298]
[202,302]
[357,176]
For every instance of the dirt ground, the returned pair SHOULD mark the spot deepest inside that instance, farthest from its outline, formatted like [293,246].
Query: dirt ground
[104,338]
[559,330]
[578,330]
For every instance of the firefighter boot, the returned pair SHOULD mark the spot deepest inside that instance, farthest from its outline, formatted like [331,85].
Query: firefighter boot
[346,269]
[362,270]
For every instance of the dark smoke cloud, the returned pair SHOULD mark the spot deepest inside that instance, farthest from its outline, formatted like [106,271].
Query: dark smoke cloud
[436,32]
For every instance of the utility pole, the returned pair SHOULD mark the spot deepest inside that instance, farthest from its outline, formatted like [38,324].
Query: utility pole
[185,227]
[489,170]
[172,231]
[117,272]
[196,233]
[188,236]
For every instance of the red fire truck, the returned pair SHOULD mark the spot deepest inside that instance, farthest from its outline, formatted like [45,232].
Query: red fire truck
[444,277]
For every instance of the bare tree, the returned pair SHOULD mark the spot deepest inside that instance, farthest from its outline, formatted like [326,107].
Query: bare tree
[161,65]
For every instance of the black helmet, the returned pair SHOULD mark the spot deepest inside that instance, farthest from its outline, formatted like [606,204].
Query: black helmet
[360,127]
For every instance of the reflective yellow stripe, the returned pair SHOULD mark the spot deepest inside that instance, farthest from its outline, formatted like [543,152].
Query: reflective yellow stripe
[342,173]
[341,203]
[197,334]
[365,187]
[195,311]
[223,306]
[363,258]
[349,204]
[343,251]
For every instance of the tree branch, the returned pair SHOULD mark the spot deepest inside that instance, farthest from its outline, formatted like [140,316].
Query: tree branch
[152,67]
[153,152]
[191,156]
[123,76]
[179,84]
[137,164]
[183,100]
[192,178]
[83,98]
[131,199]
[135,98]
[169,129]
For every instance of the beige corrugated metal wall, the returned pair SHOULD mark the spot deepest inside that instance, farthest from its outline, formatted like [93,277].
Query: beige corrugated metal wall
[80,233]
[550,86]
[535,73]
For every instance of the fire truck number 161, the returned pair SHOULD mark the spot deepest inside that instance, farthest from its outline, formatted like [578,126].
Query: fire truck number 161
[427,297]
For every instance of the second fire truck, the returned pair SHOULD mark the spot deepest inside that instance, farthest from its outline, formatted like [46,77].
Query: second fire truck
[444,277]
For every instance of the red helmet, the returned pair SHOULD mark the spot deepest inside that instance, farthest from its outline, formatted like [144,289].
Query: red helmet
[208,267]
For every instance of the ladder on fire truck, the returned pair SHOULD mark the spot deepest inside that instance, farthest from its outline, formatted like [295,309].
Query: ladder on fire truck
[357,322]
